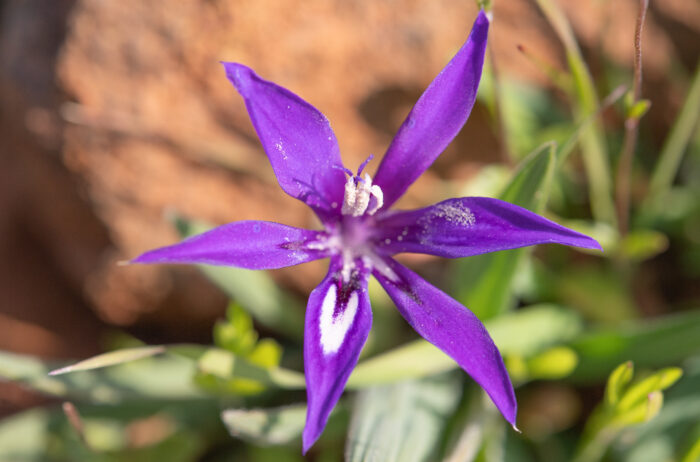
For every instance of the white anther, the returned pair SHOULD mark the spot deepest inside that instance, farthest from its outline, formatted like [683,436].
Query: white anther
[358,196]
[378,195]
[349,199]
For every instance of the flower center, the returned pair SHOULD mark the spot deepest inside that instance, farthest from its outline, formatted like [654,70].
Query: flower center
[351,238]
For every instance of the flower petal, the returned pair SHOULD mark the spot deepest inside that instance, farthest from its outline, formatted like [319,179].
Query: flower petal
[436,118]
[471,226]
[454,329]
[297,138]
[246,244]
[338,320]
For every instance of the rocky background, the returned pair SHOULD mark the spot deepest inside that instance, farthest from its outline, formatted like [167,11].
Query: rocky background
[114,113]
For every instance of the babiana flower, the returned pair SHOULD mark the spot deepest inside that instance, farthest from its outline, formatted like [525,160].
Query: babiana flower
[361,233]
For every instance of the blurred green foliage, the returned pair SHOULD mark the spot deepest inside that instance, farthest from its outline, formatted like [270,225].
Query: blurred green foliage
[565,321]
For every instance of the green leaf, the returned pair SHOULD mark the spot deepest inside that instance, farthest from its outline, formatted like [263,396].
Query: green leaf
[676,425]
[403,422]
[693,454]
[484,282]
[413,360]
[253,290]
[524,332]
[236,333]
[111,358]
[638,109]
[222,371]
[617,382]
[655,401]
[552,364]
[640,245]
[648,343]
[595,292]
[639,392]
[267,353]
[533,329]
[266,426]
[23,436]
[238,336]
[474,430]
[637,404]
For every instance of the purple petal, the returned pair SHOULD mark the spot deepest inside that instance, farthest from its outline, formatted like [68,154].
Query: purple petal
[471,226]
[436,118]
[454,329]
[338,320]
[246,244]
[297,138]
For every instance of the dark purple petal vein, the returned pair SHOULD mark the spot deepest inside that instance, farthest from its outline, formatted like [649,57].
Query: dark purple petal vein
[338,321]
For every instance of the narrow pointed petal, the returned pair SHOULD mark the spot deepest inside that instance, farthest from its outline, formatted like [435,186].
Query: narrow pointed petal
[454,329]
[471,226]
[436,118]
[297,139]
[338,320]
[246,244]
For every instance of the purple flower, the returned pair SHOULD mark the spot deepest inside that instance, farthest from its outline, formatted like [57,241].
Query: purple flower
[361,233]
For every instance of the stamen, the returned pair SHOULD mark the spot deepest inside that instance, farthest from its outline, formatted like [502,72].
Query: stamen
[350,197]
[359,193]
[378,195]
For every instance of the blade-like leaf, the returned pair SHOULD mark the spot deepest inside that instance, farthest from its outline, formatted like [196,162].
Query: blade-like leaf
[653,343]
[618,380]
[525,332]
[163,378]
[111,358]
[22,436]
[403,422]
[658,381]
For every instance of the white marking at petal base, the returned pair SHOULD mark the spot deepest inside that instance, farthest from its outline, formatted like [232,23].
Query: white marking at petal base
[335,328]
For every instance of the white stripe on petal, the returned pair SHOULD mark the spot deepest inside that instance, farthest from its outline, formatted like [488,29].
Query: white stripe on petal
[334,328]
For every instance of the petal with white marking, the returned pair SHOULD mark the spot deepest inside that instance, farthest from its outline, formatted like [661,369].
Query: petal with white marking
[338,320]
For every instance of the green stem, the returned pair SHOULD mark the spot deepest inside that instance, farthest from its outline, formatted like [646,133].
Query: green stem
[631,128]
[677,141]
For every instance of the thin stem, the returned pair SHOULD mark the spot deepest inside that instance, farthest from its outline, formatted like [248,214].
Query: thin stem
[75,421]
[631,128]
[506,145]
[560,79]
